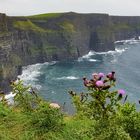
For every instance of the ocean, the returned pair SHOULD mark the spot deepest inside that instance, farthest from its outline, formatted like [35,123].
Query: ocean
[53,80]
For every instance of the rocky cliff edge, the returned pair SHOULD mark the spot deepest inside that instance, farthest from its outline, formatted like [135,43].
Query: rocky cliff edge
[57,36]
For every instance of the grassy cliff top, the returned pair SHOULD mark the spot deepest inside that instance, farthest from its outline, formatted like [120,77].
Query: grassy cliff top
[27,25]
[47,15]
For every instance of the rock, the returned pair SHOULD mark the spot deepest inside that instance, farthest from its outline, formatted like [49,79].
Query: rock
[55,105]
[52,37]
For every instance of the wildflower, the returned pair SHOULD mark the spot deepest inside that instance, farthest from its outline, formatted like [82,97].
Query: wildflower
[101,75]
[95,76]
[99,83]
[86,82]
[54,105]
[121,91]
[92,83]
[109,75]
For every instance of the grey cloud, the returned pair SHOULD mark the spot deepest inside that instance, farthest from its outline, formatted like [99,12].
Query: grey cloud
[30,7]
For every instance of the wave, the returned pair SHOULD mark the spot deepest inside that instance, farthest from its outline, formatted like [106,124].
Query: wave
[67,78]
[118,51]
[93,60]
[128,41]
[92,53]
[31,73]
[9,98]
[80,59]
[87,57]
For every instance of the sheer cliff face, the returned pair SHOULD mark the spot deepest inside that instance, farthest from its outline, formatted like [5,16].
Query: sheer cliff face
[29,40]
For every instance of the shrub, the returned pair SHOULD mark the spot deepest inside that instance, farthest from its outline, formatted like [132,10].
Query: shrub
[41,116]
[25,97]
[113,118]
[46,118]
[100,101]
[101,114]
[129,119]
[108,130]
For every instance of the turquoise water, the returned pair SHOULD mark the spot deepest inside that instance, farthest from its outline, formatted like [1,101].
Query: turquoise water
[55,79]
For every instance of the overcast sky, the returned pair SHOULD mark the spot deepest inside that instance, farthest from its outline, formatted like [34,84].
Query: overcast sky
[31,7]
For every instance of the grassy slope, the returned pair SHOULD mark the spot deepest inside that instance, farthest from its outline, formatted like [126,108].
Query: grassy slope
[44,16]
[28,25]
[15,126]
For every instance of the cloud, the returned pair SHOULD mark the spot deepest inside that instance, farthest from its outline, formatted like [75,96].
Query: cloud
[30,7]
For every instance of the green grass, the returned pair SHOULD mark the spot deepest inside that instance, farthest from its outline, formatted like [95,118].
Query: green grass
[15,126]
[46,16]
[28,25]
[67,26]
[32,118]
[74,129]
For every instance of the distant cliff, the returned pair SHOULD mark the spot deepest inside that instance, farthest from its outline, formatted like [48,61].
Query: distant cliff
[57,36]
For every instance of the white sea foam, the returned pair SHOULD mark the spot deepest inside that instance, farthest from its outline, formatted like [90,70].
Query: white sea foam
[128,41]
[67,78]
[92,53]
[31,73]
[93,60]
[87,57]
[118,50]
[9,98]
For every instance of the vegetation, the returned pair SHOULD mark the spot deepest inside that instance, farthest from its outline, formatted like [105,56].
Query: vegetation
[28,25]
[102,114]
[46,16]
[67,26]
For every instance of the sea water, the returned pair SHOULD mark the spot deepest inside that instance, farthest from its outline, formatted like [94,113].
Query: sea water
[54,80]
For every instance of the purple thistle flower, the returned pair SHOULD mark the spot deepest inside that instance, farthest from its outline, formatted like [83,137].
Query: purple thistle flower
[99,83]
[101,75]
[109,75]
[86,82]
[121,91]
[95,76]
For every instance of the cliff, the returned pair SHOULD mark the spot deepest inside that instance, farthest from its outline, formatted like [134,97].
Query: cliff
[57,36]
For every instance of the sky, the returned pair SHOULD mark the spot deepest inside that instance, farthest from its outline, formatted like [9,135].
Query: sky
[31,7]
